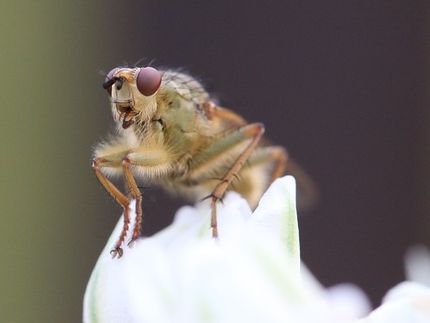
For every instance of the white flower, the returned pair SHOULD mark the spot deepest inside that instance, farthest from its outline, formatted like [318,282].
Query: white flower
[418,265]
[409,301]
[251,274]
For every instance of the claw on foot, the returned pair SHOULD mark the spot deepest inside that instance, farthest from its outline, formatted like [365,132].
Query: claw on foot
[117,252]
[215,233]
[130,244]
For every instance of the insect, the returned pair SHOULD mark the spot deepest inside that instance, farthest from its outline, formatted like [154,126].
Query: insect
[171,133]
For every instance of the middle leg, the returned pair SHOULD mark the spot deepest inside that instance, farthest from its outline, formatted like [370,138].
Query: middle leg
[254,131]
[214,157]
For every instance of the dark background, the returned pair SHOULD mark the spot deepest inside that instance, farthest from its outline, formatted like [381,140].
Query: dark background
[341,84]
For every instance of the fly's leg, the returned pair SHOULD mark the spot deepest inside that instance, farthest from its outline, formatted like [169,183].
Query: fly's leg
[275,155]
[136,194]
[155,160]
[254,132]
[213,111]
[278,156]
[119,197]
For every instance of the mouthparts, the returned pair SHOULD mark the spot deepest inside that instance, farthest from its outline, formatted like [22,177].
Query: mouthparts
[126,114]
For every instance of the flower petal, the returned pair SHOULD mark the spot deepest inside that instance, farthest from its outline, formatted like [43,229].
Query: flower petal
[181,274]
[276,213]
[417,263]
[406,302]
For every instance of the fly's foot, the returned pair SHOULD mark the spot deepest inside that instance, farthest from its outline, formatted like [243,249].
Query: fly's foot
[117,252]
[131,243]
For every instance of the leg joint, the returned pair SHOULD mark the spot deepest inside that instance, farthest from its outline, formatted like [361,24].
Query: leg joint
[96,162]
[126,162]
[253,129]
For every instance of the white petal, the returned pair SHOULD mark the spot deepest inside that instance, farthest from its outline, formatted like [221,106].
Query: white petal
[349,300]
[417,262]
[406,302]
[276,214]
[250,274]
[407,290]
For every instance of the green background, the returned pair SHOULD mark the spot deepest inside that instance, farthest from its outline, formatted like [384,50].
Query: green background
[52,113]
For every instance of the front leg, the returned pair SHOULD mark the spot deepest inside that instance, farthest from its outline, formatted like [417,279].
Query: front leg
[120,198]
[145,162]
[136,194]
[112,159]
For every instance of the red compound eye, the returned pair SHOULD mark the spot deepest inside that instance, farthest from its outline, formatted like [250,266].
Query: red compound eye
[148,81]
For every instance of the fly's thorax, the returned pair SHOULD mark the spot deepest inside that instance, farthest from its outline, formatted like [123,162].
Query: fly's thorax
[178,122]
[179,102]
[183,85]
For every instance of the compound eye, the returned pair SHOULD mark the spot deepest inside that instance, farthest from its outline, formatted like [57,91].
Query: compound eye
[109,81]
[148,81]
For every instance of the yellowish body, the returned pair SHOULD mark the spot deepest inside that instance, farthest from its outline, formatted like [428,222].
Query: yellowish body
[170,133]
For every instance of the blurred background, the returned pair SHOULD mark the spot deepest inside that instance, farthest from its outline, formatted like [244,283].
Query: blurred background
[341,84]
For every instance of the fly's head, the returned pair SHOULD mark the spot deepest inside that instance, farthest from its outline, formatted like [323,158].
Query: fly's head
[133,94]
